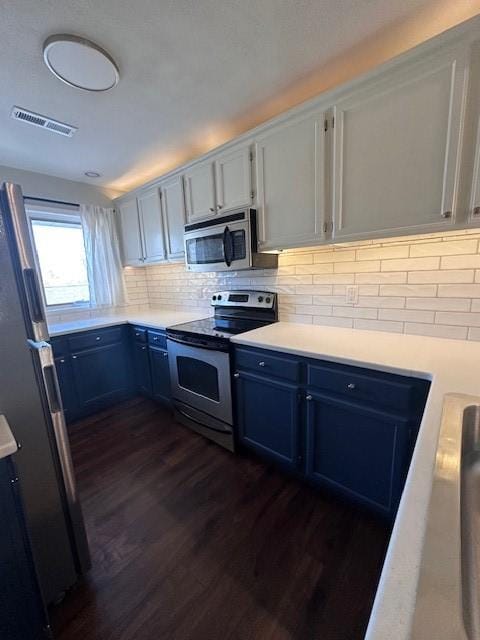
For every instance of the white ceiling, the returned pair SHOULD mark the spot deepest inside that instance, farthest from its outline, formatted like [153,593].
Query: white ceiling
[190,70]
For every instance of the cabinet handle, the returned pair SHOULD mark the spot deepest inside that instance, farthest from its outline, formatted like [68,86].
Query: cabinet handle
[261,364]
[62,360]
[212,209]
[219,206]
[447,214]
[236,375]
[309,397]
[476,211]
[143,348]
[351,385]
[137,335]
[155,338]
[74,357]
[98,338]
[165,355]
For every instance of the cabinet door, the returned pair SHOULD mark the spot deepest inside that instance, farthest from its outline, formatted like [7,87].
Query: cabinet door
[396,144]
[291,169]
[173,205]
[143,381]
[268,417]
[101,376]
[160,374]
[22,613]
[356,451]
[150,211]
[200,191]
[132,250]
[63,366]
[233,179]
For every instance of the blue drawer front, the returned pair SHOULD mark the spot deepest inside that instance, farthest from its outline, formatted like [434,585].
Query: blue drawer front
[264,363]
[139,334]
[387,391]
[157,338]
[98,338]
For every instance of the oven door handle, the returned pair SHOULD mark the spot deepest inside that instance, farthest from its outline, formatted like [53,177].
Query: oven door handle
[227,246]
[193,343]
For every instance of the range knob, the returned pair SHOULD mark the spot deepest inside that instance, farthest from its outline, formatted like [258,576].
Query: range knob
[260,298]
[268,300]
[214,297]
[219,297]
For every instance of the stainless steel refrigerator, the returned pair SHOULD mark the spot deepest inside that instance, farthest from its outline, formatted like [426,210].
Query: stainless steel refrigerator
[30,399]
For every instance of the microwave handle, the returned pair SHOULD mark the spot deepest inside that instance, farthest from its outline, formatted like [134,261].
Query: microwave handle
[227,246]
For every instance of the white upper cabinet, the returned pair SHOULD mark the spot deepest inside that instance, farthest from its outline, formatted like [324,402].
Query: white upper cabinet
[174,216]
[233,179]
[199,183]
[290,162]
[132,249]
[396,146]
[151,223]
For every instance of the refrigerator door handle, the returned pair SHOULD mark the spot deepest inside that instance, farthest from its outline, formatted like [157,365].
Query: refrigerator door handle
[19,229]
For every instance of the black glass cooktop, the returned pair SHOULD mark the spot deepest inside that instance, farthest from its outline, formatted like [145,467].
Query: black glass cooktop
[216,327]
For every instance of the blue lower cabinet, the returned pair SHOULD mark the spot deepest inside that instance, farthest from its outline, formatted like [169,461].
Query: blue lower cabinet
[22,614]
[160,374]
[63,366]
[141,368]
[101,376]
[358,452]
[269,417]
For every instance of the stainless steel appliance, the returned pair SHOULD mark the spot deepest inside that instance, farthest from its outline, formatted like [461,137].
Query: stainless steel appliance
[199,360]
[226,243]
[31,402]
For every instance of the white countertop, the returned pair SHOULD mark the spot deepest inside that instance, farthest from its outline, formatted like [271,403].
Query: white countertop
[155,318]
[453,366]
[8,444]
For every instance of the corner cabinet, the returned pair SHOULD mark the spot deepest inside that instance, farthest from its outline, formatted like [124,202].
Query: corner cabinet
[344,428]
[396,148]
[291,183]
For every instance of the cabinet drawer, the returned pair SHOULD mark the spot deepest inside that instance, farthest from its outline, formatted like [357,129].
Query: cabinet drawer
[91,339]
[157,338]
[263,362]
[139,334]
[388,391]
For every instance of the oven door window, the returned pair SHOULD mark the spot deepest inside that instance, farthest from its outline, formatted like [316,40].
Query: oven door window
[198,377]
[205,250]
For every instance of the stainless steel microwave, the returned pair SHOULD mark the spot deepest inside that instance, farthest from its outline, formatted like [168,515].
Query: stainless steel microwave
[227,243]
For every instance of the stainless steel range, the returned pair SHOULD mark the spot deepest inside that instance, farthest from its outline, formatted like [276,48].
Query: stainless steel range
[199,357]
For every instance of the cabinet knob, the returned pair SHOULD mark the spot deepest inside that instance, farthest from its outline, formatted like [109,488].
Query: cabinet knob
[212,209]
[261,364]
[447,214]
[236,375]
[143,348]
[155,338]
[137,334]
[98,338]
[62,360]
[165,355]
[219,206]
[476,211]
[74,357]
[309,397]
[351,385]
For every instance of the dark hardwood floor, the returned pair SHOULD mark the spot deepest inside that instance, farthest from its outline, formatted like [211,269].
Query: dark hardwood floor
[190,542]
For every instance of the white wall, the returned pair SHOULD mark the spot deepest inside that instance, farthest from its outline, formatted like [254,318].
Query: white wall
[43,186]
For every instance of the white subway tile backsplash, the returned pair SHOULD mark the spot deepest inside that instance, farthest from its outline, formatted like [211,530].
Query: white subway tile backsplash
[446,248]
[427,285]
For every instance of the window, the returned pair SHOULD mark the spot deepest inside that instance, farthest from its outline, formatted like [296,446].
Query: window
[61,259]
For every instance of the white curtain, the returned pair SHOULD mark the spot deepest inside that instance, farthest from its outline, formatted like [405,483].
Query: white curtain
[104,266]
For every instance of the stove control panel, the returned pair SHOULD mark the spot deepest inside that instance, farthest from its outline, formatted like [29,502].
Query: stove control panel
[255,299]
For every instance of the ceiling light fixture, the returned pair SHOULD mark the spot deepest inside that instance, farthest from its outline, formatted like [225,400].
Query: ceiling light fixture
[92,174]
[80,63]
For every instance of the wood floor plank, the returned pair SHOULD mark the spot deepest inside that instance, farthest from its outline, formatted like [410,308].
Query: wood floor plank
[190,542]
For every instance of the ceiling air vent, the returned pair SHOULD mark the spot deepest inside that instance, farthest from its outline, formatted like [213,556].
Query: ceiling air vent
[42,121]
